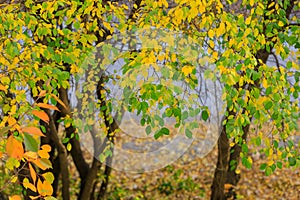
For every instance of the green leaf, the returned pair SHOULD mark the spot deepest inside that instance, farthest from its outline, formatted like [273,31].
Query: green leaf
[161,132]
[279,165]
[148,130]
[188,133]
[245,148]
[292,161]
[30,143]
[268,105]
[204,115]
[268,171]
[263,166]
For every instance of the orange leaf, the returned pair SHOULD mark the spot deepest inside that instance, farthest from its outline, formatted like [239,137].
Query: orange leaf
[44,188]
[32,173]
[42,93]
[46,147]
[43,154]
[42,115]
[15,197]
[14,148]
[3,88]
[33,131]
[45,105]
[59,101]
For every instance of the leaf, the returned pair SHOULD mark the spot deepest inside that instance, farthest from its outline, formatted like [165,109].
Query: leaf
[47,106]
[268,105]
[46,147]
[42,163]
[43,154]
[33,131]
[4,130]
[211,33]
[49,177]
[44,188]
[188,133]
[59,101]
[42,115]
[187,70]
[148,130]
[15,197]
[292,161]
[161,132]
[32,173]
[29,185]
[42,93]
[14,148]
[31,144]
[204,115]
[3,88]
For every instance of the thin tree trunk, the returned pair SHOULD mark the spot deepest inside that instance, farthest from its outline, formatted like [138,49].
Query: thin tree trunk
[217,187]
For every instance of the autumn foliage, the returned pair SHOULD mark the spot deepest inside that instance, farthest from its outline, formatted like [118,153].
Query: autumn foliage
[55,84]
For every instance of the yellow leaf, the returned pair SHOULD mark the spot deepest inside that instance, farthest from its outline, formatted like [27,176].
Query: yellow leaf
[69,147]
[42,115]
[14,148]
[248,20]
[14,179]
[29,185]
[30,155]
[265,83]
[33,131]
[48,177]
[187,70]
[215,55]
[202,8]
[47,106]
[211,33]
[221,30]
[280,23]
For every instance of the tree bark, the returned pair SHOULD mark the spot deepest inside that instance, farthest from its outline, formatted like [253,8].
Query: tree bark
[217,187]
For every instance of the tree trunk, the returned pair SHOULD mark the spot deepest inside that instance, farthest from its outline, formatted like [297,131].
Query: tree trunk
[221,168]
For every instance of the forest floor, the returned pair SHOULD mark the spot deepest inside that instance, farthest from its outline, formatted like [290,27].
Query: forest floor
[190,177]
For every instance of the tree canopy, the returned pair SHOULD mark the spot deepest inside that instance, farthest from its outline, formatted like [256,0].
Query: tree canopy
[55,72]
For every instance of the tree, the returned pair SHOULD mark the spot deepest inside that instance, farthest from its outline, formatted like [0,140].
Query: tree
[46,46]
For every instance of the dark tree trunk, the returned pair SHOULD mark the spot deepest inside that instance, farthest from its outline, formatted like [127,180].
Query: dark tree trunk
[217,187]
